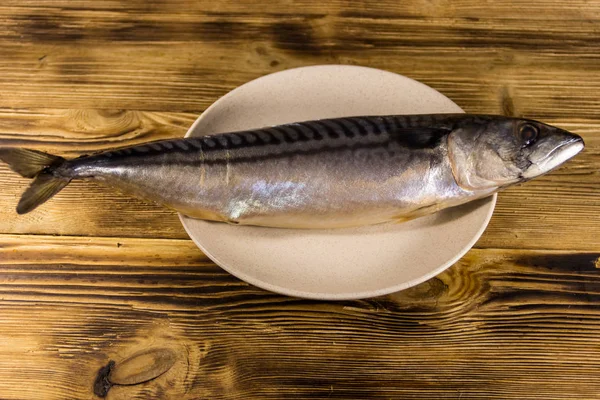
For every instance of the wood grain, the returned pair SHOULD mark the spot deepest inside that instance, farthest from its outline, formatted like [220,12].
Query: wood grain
[499,324]
[517,318]
[73,132]
[60,55]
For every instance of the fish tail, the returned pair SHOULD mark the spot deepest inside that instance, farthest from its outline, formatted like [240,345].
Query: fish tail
[39,166]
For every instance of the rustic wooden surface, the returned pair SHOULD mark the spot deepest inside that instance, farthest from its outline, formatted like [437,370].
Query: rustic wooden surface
[94,277]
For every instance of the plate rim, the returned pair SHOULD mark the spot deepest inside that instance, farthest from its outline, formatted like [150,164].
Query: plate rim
[332,296]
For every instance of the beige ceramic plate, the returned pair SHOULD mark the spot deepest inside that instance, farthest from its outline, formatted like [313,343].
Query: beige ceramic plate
[334,264]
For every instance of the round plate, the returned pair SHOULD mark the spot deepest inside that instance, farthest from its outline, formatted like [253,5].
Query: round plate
[338,263]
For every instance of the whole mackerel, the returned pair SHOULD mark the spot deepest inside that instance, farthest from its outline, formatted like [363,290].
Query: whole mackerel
[317,174]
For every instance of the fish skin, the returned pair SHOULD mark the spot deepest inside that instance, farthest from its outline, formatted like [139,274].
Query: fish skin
[323,174]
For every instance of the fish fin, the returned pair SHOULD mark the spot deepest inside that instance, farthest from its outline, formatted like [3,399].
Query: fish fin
[38,165]
[419,137]
[43,187]
[419,212]
[26,162]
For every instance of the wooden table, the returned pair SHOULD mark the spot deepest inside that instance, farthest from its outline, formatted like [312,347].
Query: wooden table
[93,276]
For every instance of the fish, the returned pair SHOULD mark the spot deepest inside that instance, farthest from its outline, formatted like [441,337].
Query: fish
[321,174]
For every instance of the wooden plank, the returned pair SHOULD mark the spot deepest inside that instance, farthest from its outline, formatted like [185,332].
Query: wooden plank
[183,77]
[527,216]
[500,324]
[98,251]
[73,132]
[536,10]
[189,59]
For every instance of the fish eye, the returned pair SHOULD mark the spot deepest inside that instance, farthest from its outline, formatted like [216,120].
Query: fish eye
[528,134]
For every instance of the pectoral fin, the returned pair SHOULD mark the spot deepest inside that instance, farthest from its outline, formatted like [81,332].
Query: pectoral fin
[419,212]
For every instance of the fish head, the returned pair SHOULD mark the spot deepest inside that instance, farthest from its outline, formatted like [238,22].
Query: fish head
[496,152]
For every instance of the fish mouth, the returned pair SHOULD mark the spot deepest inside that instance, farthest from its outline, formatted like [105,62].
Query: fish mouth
[555,157]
